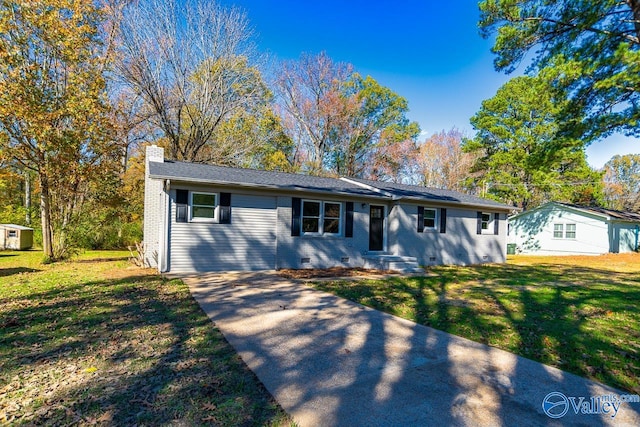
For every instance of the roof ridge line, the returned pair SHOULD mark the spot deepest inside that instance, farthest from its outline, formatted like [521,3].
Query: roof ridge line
[368,187]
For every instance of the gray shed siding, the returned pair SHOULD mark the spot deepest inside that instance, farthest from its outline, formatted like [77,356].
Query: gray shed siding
[322,251]
[460,244]
[247,243]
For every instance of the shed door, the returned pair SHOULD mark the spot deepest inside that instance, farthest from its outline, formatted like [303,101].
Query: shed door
[376,228]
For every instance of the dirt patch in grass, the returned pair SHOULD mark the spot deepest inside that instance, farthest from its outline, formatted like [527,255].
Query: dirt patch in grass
[100,342]
[315,273]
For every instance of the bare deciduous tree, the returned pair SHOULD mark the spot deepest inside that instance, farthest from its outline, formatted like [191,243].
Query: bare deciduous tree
[341,121]
[442,163]
[309,92]
[189,62]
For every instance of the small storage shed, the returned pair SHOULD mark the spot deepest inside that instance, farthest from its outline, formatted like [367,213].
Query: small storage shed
[16,237]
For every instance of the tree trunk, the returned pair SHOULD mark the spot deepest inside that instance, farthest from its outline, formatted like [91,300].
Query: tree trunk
[27,197]
[45,216]
[635,9]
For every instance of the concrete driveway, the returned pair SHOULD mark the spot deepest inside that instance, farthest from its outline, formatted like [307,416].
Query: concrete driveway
[331,362]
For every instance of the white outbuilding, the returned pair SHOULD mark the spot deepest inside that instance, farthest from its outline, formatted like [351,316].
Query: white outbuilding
[16,237]
[565,229]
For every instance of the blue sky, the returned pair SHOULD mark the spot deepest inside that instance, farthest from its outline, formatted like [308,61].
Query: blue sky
[428,51]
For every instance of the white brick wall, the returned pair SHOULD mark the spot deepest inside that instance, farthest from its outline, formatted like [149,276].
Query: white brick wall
[153,191]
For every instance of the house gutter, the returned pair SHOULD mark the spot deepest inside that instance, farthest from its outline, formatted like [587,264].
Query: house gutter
[455,204]
[164,237]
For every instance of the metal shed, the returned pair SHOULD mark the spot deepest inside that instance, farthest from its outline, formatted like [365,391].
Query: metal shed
[16,237]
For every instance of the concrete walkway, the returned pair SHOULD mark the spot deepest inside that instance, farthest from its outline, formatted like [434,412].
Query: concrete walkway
[331,362]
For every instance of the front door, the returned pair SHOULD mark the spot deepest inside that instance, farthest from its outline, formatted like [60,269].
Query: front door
[376,228]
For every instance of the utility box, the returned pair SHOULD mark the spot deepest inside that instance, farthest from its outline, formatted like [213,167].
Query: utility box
[16,237]
[511,248]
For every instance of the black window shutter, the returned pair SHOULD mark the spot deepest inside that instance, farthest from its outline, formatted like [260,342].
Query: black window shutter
[225,208]
[296,205]
[420,219]
[479,231]
[496,223]
[348,220]
[443,220]
[182,199]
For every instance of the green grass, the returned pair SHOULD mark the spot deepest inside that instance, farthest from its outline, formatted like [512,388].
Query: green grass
[96,340]
[578,314]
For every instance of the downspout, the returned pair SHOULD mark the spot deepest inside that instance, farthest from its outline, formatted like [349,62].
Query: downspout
[637,230]
[163,241]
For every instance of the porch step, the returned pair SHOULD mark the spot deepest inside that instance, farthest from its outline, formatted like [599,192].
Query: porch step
[402,264]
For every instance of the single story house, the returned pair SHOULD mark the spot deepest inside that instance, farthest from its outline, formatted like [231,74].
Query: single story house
[565,229]
[16,237]
[201,217]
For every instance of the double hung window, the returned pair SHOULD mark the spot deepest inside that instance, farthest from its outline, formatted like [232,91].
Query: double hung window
[321,217]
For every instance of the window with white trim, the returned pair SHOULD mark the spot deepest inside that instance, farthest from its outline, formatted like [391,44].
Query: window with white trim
[12,233]
[558,231]
[203,206]
[564,231]
[486,221]
[429,218]
[321,217]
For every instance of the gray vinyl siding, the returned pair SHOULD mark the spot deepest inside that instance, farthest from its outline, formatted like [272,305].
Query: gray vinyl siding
[322,251]
[459,245]
[247,243]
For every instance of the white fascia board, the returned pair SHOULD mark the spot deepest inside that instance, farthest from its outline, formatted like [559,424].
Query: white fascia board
[370,188]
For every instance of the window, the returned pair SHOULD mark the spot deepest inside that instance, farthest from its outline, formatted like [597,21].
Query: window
[558,231]
[310,217]
[321,217]
[429,218]
[566,231]
[486,222]
[12,233]
[203,206]
[331,223]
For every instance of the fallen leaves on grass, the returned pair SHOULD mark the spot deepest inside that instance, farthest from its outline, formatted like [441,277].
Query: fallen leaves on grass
[102,344]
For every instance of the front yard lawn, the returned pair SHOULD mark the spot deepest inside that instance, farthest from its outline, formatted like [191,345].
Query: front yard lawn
[579,314]
[98,341]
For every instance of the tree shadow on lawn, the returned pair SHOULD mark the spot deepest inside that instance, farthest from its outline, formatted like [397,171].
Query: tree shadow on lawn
[129,351]
[578,319]
[104,259]
[4,272]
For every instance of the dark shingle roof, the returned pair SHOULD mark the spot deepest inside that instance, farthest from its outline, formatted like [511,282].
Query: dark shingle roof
[196,172]
[614,214]
[201,173]
[405,191]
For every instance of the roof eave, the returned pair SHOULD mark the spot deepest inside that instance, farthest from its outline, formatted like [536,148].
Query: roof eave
[457,204]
